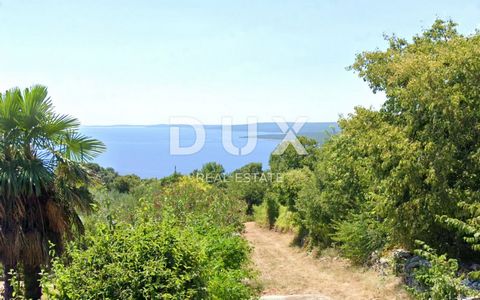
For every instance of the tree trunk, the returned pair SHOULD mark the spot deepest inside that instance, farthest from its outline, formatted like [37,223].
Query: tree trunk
[32,282]
[7,287]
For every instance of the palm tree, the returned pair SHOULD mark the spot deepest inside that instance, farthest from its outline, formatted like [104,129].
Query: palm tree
[43,184]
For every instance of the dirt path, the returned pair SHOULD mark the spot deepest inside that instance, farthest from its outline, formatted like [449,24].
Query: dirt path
[288,270]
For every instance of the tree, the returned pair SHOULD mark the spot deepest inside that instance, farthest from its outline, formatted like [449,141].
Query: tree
[469,226]
[106,176]
[125,184]
[288,188]
[43,184]
[211,172]
[250,184]
[348,169]
[431,85]
[290,159]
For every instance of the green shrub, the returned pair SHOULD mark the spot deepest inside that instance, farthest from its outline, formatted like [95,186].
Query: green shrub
[125,184]
[112,205]
[266,214]
[467,226]
[250,184]
[228,286]
[153,259]
[315,224]
[413,160]
[290,159]
[149,261]
[430,161]
[286,221]
[438,281]
[272,211]
[163,240]
[260,215]
[227,256]
[186,196]
[359,236]
[292,182]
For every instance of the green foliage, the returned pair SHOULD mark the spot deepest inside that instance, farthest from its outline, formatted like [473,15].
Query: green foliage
[286,221]
[18,286]
[431,88]
[290,159]
[162,253]
[43,181]
[260,215]
[439,280]
[150,261]
[389,174]
[108,178]
[266,214]
[283,192]
[185,196]
[124,184]
[292,182]
[272,211]
[469,227]
[192,196]
[112,206]
[211,172]
[359,236]
[250,184]
[105,176]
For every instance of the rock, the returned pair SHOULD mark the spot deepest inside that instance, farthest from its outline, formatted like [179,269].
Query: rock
[382,265]
[473,284]
[411,265]
[400,254]
[400,258]
[414,263]
[475,267]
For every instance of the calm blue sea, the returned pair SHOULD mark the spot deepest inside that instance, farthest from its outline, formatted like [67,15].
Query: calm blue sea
[145,150]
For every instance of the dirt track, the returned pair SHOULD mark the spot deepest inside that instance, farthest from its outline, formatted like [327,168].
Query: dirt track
[287,270]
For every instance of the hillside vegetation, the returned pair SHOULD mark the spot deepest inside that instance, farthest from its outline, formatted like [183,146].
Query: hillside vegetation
[405,176]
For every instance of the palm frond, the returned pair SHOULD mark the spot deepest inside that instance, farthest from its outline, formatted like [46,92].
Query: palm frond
[42,182]
[36,107]
[10,109]
[81,148]
[59,124]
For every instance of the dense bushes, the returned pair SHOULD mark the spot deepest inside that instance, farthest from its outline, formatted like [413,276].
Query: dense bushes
[153,259]
[290,159]
[438,279]
[397,170]
[267,213]
[148,261]
[359,236]
[292,182]
[249,183]
[188,196]
[179,241]
[286,220]
[430,85]
[390,177]
[396,175]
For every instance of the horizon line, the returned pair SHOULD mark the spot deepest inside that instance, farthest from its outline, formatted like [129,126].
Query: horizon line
[184,124]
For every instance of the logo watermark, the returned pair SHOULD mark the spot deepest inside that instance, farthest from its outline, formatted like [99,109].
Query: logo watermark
[240,177]
[288,131]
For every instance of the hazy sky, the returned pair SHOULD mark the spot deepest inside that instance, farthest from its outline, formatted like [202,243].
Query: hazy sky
[140,62]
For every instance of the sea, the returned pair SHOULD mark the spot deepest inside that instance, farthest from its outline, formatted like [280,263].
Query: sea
[145,150]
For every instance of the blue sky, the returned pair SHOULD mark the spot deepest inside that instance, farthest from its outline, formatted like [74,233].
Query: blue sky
[140,62]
